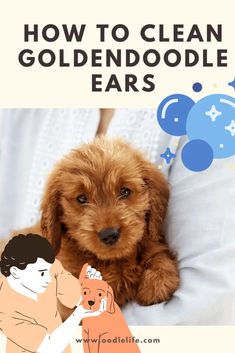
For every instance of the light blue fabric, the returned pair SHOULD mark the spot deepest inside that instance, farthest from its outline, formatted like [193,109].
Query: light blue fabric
[31,141]
[18,138]
[200,227]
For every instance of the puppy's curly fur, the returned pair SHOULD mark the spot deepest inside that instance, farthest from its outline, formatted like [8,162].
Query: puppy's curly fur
[139,266]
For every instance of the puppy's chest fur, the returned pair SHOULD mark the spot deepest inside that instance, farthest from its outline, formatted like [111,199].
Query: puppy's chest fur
[122,275]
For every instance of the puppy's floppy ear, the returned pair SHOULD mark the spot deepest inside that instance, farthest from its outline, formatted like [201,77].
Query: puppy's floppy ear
[158,199]
[110,301]
[51,216]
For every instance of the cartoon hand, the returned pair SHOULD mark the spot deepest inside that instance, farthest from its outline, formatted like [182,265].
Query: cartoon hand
[93,273]
[103,305]
[90,313]
[89,272]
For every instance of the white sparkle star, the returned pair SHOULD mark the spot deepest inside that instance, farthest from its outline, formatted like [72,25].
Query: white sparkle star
[213,113]
[231,128]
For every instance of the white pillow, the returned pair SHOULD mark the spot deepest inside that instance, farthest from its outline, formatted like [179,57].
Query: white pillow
[200,227]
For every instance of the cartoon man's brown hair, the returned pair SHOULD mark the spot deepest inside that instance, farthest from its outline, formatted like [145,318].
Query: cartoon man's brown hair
[22,250]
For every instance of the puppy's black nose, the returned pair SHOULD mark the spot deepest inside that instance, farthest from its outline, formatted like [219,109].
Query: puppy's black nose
[91,302]
[109,236]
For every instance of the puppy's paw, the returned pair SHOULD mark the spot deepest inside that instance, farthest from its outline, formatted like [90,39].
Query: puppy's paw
[158,283]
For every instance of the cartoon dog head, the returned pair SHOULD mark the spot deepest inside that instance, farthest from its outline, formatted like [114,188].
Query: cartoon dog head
[93,291]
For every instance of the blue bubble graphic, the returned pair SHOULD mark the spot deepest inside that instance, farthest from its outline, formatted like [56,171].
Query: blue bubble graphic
[212,119]
[197,87]
[197,155]
[232,84]
[172,114]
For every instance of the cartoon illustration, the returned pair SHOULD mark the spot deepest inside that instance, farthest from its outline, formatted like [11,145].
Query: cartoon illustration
[208,123]
[108,332]
[32,282]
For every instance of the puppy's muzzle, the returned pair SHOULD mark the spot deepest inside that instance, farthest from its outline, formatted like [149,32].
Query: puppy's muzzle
[109,236]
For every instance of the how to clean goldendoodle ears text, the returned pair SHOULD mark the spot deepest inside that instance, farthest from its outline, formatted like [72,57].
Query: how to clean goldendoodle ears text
[173,46]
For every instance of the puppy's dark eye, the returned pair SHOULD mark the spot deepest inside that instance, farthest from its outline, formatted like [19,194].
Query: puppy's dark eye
[84,293]
[100,295]
[124,193]
[82,199]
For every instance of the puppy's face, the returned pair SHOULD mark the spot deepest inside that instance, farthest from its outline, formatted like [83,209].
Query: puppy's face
[100,194]
[104,202]
[93,291]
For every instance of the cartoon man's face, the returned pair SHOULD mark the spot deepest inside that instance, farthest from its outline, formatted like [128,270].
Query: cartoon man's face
[35,277]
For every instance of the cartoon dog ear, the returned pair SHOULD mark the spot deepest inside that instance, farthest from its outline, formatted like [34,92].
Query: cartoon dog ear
[110,301]
[158,199]
[51,215]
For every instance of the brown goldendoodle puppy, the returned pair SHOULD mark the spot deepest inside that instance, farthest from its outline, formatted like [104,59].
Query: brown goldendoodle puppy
[105,204]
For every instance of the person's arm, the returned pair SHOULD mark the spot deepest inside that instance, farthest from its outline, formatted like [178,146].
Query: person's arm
[21,329]
[57,341]
[68,286]
[68,289]
[106,115]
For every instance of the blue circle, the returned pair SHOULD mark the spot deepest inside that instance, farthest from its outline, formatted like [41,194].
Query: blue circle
[172,114]
[211,119]
[197,155]
[197,87]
